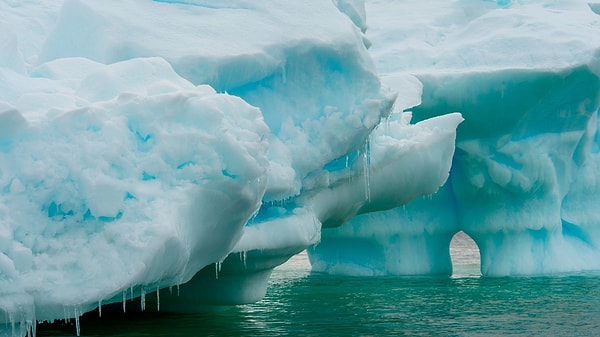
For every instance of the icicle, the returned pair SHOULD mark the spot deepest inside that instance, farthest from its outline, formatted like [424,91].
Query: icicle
[347,162]
[177,289]
[100,308]
[34,328]
[124,299]
[77,327]
[12,324]
[30,327]
[131,292]
[32,324]
[245,258]
[218,269]
[367,168]
[157,298]
[143,299]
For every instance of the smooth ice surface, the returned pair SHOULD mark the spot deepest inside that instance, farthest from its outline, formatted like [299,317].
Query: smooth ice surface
[144,142]
[525,75]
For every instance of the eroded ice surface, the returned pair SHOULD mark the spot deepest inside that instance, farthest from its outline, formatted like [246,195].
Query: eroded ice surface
[147,143]
[524,182]
[134,190]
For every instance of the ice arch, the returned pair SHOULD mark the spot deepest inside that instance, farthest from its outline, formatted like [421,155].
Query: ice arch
[465,255]
[525,170]
[409,240]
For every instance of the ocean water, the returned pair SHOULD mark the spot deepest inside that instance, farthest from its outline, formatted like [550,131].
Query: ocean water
[300,303]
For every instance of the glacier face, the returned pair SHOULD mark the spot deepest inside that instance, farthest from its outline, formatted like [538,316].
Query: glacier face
[525,75]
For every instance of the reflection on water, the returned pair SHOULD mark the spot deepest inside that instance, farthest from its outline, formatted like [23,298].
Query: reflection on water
[303,303]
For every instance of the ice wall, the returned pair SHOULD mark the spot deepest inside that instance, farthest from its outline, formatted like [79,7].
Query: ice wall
[526,77]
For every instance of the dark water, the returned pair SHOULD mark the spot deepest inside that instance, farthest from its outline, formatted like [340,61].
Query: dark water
[299,303]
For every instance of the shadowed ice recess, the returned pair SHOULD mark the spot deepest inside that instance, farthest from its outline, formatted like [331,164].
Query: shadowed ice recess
[175,155]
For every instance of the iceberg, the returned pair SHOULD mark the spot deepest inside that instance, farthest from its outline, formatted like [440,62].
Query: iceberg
[168,155]
[147,145]
[525,75]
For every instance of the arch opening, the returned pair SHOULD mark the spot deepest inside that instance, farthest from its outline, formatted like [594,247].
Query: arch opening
[465,256]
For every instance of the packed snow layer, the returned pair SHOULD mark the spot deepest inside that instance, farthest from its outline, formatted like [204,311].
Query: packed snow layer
[144,144]
[144,188]
[524,183]
[465,36]
[267,65]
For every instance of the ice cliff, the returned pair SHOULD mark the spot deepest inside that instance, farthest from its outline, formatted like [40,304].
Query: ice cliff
[173,153]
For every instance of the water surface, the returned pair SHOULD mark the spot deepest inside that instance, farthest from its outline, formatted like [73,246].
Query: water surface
[300,303]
